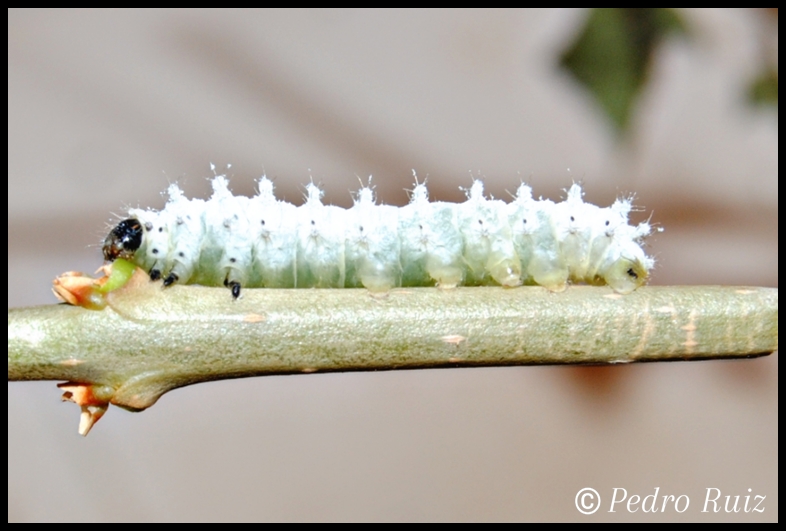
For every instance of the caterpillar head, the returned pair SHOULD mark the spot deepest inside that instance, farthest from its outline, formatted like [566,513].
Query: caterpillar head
[123,240]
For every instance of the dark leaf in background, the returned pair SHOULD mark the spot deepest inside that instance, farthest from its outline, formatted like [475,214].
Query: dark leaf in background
[764,90]
[613,53]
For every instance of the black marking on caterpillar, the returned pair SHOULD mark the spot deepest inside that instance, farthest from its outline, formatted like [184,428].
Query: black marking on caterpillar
[263,242]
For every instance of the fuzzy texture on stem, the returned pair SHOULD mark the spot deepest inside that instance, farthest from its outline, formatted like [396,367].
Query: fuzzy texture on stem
[148,341]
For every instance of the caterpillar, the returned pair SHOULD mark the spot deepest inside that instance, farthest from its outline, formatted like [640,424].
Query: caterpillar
[262,242]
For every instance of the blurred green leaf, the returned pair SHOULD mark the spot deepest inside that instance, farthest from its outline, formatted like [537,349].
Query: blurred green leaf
[764,90]
[613,54]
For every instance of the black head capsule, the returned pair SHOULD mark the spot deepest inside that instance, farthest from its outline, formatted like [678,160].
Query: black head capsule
[123,241]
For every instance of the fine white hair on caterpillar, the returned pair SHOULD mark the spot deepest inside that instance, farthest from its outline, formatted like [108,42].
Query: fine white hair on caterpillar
[261,242]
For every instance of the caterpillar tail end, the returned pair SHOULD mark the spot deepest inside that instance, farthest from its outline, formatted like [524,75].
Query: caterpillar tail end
[625,276]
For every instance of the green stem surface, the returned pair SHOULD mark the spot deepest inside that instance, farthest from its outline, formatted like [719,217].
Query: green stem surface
[149,340]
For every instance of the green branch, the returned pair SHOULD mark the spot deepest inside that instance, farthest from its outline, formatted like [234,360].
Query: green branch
[148,341]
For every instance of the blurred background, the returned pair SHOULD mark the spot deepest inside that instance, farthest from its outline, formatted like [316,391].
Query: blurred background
[105,108]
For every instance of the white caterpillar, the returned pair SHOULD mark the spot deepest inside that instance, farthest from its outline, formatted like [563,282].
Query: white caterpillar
[263,242]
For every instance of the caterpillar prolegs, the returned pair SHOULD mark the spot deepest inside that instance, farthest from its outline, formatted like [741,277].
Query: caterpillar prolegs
[263,242]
